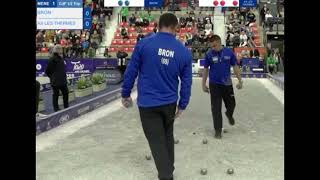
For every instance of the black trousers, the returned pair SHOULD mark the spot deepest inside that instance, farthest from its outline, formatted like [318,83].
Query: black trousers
[37,95]
[124,18]
[157,124]
[218,93]
[55,96]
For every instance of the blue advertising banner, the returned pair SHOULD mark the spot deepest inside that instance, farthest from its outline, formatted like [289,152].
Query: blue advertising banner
[249,63]
[63,116]
[153,3]
[248,3]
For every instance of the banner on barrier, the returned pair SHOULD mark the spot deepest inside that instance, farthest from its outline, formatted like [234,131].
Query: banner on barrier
[78,67]
[244,52]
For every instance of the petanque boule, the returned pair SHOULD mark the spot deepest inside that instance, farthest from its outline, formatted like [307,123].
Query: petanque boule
[176,141]
[148,157]
[204,141]
[203,171]
[230,171]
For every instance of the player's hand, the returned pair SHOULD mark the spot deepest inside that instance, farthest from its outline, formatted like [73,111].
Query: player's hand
[127,102]
[178,113]
[239,85]
[205,88]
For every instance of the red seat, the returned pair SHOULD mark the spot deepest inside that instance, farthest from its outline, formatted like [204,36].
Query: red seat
[131,30]
[126,49]
[150,29]
[133,42]
[132,36]
[114,42]
[183,30]
[112,49]
[117,36]
[144,29]
[181,36]
[120,42]
[189,29]
[151,24]
[118,30]
[123,24]
[44,49]
[131,49]
[127,42]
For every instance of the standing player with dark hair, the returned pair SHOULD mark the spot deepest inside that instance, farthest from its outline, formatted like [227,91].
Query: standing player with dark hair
[160,60]
[220,60]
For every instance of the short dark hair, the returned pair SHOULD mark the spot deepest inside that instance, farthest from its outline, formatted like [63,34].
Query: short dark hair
[168,20]
[214,38]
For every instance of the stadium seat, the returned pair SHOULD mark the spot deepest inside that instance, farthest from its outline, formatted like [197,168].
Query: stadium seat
[114,42]
[123,24]
[127,42]
[133,42]
[117,36]
[131,30]
[183,30]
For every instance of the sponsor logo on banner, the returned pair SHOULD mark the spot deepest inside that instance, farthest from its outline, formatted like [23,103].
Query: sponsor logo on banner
[64,119]
[38,67]
[97,105]
[79,67]
[83,110]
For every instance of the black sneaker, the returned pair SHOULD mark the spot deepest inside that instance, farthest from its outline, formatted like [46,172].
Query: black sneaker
[218,135]
[230,118]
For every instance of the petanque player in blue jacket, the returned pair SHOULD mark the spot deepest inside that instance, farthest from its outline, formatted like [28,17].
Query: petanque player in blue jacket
[159,61]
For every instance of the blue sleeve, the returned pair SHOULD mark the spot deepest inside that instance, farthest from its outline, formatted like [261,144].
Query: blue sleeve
[233,60]
[186,81]
[206,61]
[131,72]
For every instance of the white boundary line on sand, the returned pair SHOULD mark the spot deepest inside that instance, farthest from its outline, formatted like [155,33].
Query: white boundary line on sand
[277,92]
[52,137]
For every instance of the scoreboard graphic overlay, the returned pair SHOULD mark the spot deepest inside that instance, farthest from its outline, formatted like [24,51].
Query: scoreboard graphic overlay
[227,3]
[62,14]
[133,3]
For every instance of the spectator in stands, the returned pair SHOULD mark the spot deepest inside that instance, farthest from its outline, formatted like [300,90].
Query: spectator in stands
[85,46]
[39,40]
[139,21]
[124,13]
[236,39]
[91,51]
[182,22]
[124,33]
[106,52]
[145,21]
[229,39]
[188,39]
[269,20]
[263,12]
[243,39]
[189,19]
[251,17]
[77,49]
[276,56]
[201,25]
[150,17]
[95,37]
[121,55]
[155,30]
[271,64]
[132,20]
[58,78]
[208,28]
[202,37]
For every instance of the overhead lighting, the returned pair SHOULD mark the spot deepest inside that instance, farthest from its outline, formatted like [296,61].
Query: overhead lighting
[276,37]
